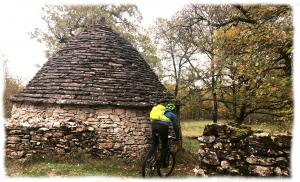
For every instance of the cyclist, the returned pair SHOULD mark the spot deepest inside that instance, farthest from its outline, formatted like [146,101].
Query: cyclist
[161,127]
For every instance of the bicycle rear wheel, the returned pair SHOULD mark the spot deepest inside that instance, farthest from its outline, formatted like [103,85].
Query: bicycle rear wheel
[150,164]
[164,172]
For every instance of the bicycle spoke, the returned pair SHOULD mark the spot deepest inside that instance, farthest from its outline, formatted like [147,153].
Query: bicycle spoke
[149,168]
[164,172]
[151,165]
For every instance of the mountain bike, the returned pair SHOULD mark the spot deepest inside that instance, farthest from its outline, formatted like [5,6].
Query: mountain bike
[151,163]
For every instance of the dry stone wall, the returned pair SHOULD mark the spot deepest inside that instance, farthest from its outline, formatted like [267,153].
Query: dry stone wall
[228,150]
[60,130]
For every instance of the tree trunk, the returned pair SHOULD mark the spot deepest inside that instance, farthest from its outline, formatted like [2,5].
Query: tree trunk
[179,125]
[234,105]
[214,94]
[176,88]
[240,119]
[215,107]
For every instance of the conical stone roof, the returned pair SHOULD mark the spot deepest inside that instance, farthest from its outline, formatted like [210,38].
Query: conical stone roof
[96,67]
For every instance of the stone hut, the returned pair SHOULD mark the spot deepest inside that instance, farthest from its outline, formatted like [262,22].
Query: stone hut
[96,83]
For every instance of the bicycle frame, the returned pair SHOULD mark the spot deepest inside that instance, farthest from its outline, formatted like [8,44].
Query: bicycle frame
[152,160]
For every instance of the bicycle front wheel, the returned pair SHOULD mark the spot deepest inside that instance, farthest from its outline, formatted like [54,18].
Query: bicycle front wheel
[150,164]
[164,172]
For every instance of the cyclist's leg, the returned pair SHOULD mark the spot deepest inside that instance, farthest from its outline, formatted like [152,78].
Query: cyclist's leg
[155,139]
[164,141]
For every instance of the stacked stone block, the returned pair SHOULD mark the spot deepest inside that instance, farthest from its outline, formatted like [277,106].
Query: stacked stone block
[228,150]
[61,130]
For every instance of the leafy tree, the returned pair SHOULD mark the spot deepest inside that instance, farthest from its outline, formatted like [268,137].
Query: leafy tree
[256,58]
[200,24]
[175,52]
[249,49]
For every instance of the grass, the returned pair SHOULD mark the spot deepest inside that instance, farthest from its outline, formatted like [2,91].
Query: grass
[191,129]
[271,128]
[190,145]
[91,167]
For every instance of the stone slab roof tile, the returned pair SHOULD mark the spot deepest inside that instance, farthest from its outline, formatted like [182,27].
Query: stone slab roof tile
[96,67]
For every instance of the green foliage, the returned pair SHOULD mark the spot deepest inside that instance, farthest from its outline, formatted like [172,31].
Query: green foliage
[256,63]
[12,87]
[196,106]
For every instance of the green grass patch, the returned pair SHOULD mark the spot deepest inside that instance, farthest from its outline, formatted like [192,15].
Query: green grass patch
[190,145]
[91,167]
[193,128]
[271,128]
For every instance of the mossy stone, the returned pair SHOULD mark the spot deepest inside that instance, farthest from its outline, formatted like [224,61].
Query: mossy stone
[234,124]
[241,133]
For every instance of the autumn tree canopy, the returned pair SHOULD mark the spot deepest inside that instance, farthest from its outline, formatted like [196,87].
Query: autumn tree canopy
[249,59]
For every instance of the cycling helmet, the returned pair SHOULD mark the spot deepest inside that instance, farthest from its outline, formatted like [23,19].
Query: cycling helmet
[171,107]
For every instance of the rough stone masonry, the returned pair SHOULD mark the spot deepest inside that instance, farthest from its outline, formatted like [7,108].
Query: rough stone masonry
[60,131]
[228,150]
